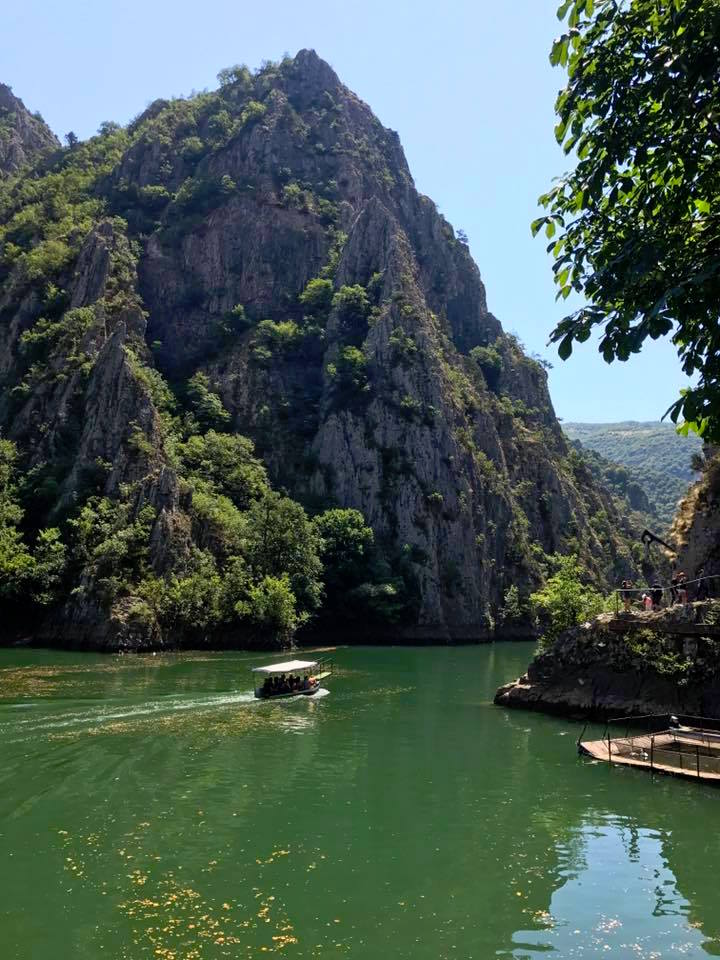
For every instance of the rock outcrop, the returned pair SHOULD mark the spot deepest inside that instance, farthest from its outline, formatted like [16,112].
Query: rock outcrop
[202,228]
[631,664]
[23,135]
[695,532]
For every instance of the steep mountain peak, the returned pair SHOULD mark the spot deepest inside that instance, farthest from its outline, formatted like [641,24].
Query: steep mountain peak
[263,247]
[314,67]
[23,135]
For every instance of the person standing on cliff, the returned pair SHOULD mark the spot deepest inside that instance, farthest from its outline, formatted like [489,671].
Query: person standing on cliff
[682,588]
[656,594]
[673,588]
[702,592]
[625,594]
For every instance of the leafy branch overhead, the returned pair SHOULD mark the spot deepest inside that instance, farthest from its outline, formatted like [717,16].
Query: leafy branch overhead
[635,227]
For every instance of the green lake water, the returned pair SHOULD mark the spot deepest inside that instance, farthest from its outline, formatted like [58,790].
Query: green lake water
[150,808]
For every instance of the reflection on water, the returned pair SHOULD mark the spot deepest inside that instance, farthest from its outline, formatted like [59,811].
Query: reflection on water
[151,807]
[618,897]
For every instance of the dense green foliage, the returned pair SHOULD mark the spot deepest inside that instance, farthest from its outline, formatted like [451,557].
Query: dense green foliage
[359,584]
[653,456]
[26,573]
[565,601]
[489,360]
[635,227]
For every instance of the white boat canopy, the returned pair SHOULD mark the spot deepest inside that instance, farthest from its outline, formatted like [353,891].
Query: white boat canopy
[289,666]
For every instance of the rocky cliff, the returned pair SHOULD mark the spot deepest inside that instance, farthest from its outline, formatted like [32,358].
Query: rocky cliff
[695,531]
[631,664]
[256,263]
[23,136]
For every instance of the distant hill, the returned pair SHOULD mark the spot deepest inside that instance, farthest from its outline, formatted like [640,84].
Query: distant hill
[656,456]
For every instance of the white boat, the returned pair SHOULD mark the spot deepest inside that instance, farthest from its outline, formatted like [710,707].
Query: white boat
[293,678]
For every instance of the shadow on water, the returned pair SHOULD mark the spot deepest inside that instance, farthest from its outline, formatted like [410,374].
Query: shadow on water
[154,808]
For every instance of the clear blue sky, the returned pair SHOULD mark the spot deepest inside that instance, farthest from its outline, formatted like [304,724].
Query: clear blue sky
[466,83]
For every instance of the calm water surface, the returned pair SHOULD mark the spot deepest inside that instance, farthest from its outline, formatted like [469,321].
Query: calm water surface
[150,808]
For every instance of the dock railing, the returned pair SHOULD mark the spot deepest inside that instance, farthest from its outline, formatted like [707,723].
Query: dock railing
[690,745]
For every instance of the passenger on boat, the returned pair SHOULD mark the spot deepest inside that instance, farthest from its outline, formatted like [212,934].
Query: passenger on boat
[306,685]
[647,602]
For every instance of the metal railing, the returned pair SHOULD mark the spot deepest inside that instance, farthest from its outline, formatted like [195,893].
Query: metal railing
[657,722]
[670,751]
[325,664]
[691,745]
[671,593]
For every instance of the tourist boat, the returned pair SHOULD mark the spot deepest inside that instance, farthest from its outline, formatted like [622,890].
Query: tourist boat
[293,678]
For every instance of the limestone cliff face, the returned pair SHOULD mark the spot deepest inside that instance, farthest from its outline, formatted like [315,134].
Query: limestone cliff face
[695,531]
[402,398]
[23,136]
[466,475]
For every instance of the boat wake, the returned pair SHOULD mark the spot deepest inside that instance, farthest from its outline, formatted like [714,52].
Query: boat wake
[36,720]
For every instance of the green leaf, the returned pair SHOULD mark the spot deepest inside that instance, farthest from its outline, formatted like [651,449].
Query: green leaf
[565,348]
[583,335]
[549,229]
[702,206]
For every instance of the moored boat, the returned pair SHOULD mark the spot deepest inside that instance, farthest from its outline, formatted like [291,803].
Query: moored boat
[293,678]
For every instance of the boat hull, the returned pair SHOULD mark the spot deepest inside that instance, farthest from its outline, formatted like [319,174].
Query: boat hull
[287,696]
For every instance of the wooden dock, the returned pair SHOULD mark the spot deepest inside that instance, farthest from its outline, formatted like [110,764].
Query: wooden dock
[684,754]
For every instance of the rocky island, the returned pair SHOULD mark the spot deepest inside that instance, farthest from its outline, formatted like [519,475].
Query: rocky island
[664,662]
[623,664]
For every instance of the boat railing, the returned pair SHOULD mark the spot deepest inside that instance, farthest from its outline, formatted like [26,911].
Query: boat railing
[325,665]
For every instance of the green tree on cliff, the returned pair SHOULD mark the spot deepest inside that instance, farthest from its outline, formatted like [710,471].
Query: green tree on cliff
[635,227]
[24,573]
[565,601]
